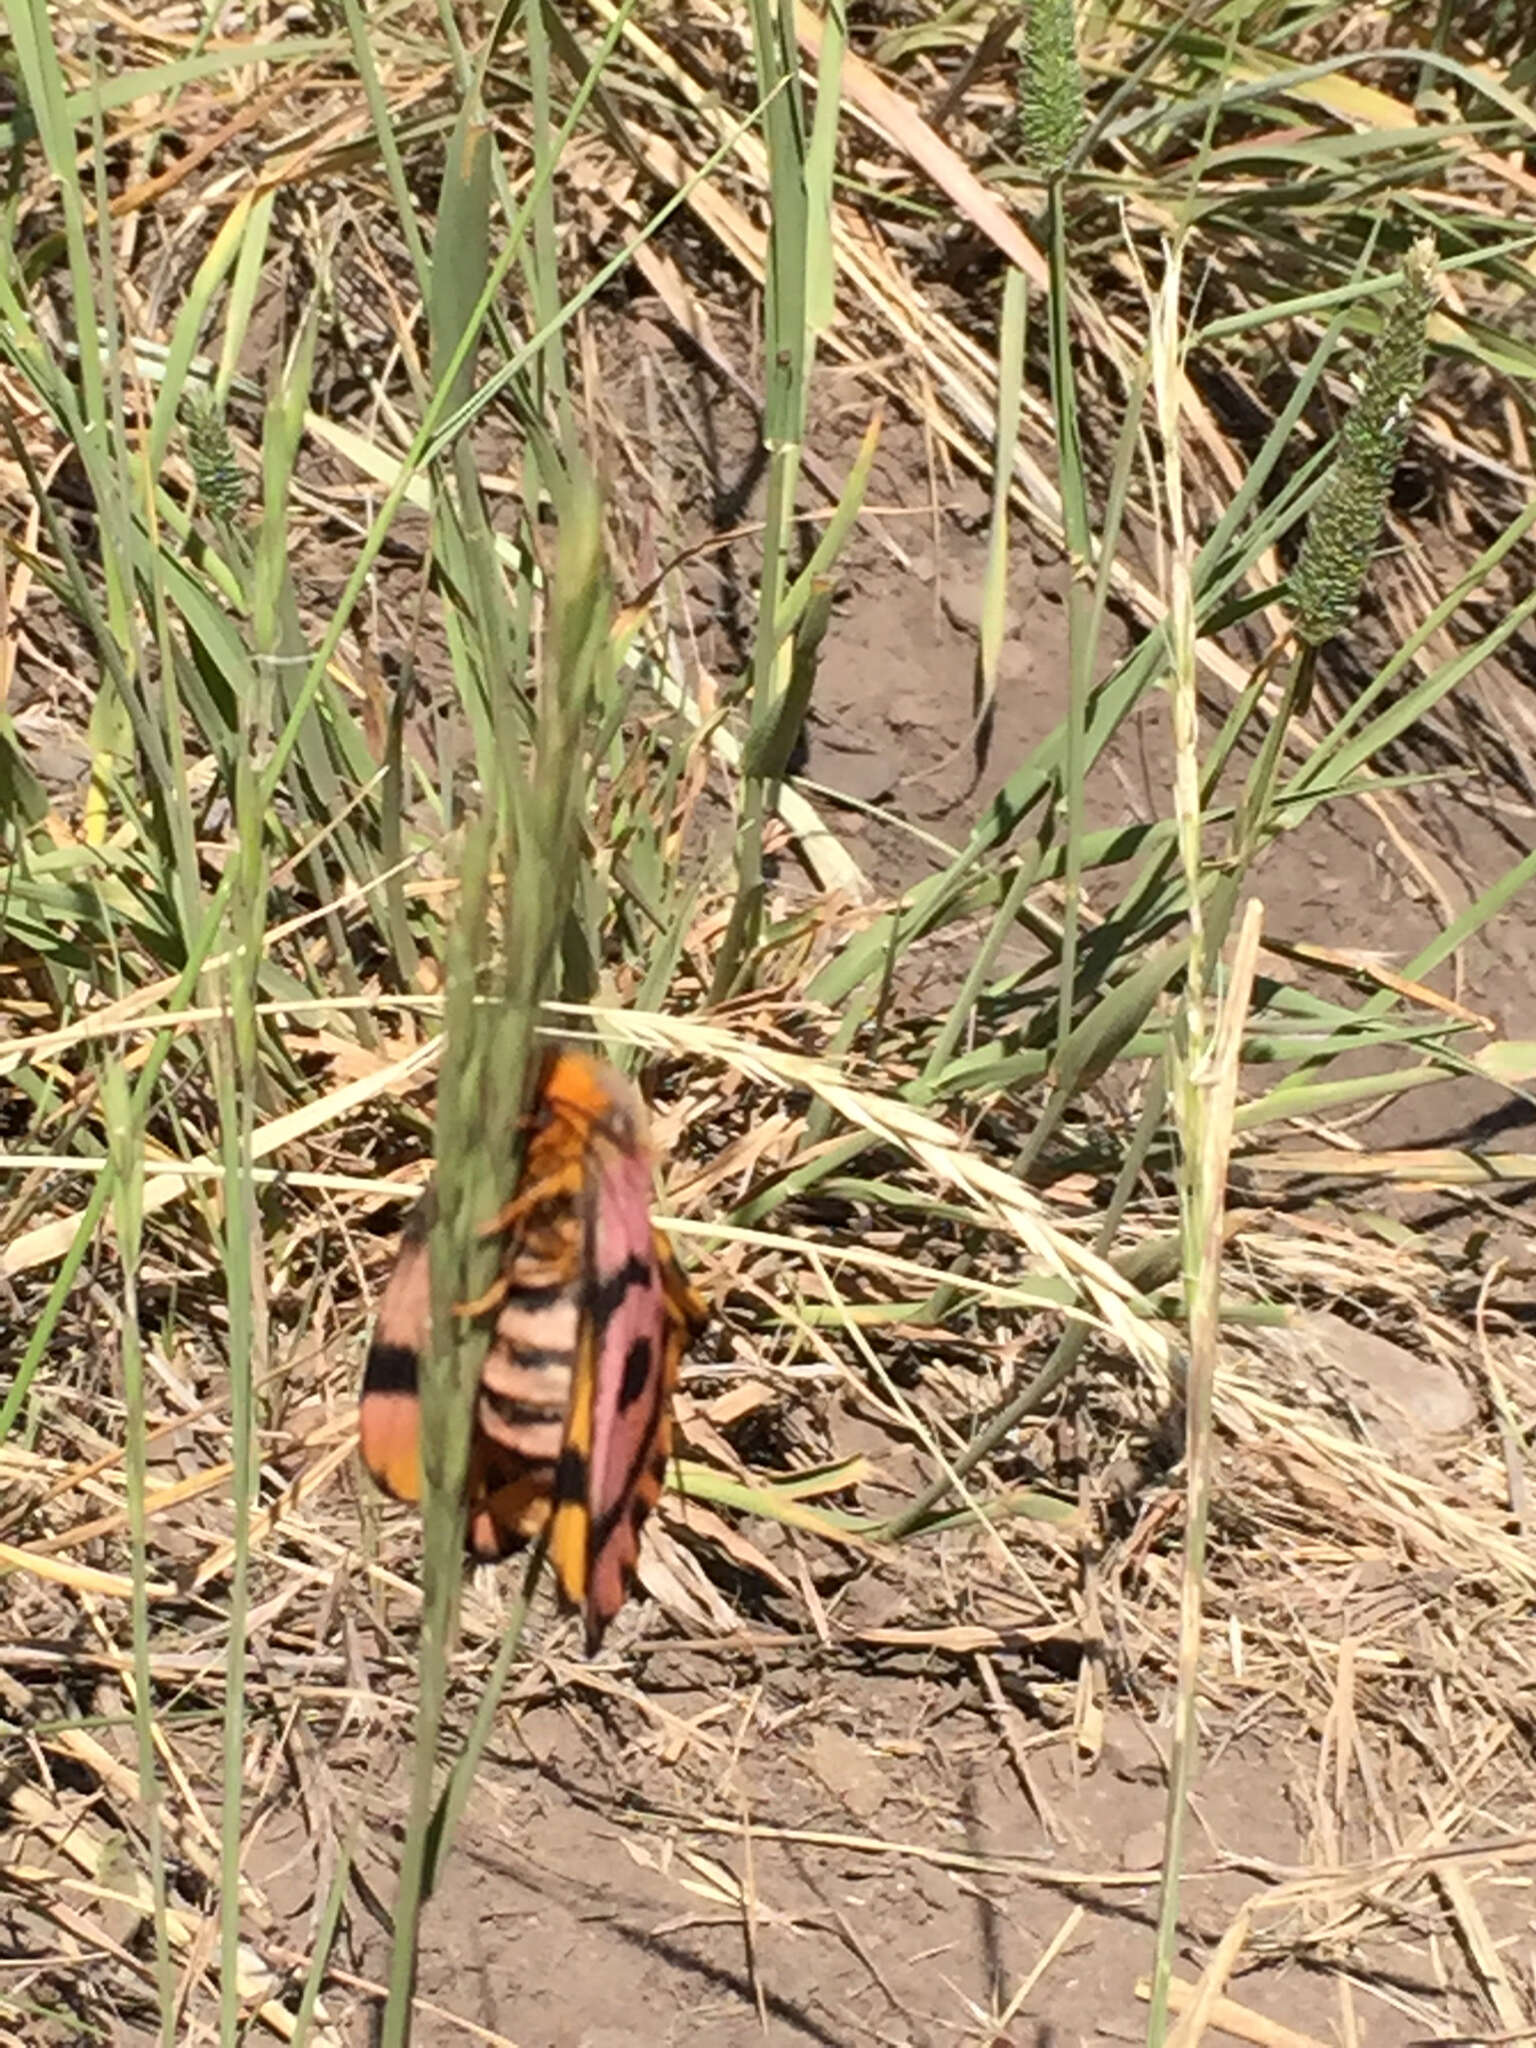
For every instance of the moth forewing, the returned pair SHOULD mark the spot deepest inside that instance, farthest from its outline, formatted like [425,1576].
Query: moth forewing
[389,1413]
[570,1529]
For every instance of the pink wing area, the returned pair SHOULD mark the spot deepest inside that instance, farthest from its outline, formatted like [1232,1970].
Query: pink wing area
[626,1313]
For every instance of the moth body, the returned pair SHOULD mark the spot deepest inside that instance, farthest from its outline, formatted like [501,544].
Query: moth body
[572,1416]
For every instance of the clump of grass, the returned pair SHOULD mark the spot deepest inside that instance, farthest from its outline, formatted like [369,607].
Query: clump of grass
[349,868]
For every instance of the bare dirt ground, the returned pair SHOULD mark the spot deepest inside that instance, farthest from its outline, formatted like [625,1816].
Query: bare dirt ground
[884,1812]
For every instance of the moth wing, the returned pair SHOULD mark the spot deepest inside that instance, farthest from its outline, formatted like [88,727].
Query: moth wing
[389,1413]
[686,1307]
[614,1459]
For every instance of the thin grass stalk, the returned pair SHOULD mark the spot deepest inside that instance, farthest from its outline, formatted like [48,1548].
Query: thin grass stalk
[184,880]
[1491,903]
[462,1267]
[325,1940]
[1073,484]
[236,1058]
[541,255]
[587,75]
[1358,291]
[32,29]
[821,170]
[250,222]
[766,751]
[1051,119]
[397,924]
[111,723]
[1207,1098]
[1253,819]
[1296,1098]
[1204,1141]
[787,354]
[994,590]
[942,1051]
[461,1777]
[532,829]
[1122,469]
[486,646]
[388,147]
[125,1139]
[823,559]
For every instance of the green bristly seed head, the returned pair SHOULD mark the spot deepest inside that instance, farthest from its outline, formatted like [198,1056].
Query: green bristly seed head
[220,484]
[1341,532]
[1051,88]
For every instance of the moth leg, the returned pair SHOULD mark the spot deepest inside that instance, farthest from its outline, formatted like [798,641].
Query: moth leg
[482,1303]
[685,1305]
[565,1181]
[517,1508]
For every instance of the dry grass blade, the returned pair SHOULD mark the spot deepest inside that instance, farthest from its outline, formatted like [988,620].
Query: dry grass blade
[1211,1097]
[1231,2017]
[997,1198]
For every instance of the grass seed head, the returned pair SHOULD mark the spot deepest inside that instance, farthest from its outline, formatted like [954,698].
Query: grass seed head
[1341,533]
[220,482]
[1051,88]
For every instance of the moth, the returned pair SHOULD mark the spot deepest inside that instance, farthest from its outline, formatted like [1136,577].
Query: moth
[573,1413]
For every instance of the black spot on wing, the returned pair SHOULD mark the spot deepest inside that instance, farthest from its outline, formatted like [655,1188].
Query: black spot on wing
[645,1458]
[390,1369]
[605,1297]
[637,1372]
[570,1477]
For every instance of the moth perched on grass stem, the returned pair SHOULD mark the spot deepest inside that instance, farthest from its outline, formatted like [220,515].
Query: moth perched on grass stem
[573,1413]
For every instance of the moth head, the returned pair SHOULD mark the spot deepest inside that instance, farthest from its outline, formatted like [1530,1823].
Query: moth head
[589,1096]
